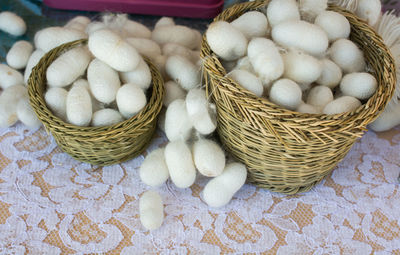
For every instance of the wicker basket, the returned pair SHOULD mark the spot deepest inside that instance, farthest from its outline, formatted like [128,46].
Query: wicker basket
[286,151]
[97,145]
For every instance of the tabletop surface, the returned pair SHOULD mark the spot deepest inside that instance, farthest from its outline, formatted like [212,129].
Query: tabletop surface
[53,204]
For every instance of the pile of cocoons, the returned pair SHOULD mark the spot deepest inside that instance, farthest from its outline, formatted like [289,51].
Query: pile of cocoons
[297,54]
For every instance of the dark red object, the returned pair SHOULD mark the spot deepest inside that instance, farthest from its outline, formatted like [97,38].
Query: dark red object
[176,8]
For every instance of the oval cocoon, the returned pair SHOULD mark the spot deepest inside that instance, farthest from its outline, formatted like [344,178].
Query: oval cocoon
[12,23]
[164,21]
[387,120]
[252,24]
[18,56]
[56,100]
[106,117]
[154,170]
[331,74]
[33,60]
[369,10]
[247,80]
[51,37]
[347,56]
[183,72]
[79,106]
[286,93]
[301,67]
[200,115]
[26,114]
[136,29]
[319,96]
[334,24]
[151,210]
[279,11]
[341,105]
[182,35]
[358,85]
[130,100]
[170,49]
[302,35]
[180,164]
[8,104]
[145,47]
[177,122]
[140,76]
[9,77]
[172,92]
[208,157]
[307,108]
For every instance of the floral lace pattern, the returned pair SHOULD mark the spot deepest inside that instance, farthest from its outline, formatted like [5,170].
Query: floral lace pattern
[53,204]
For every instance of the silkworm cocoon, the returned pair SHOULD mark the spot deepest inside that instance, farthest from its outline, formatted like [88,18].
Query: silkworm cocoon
[301,67]
[96,105]
[113,50]
[68,67]
[172,92]
[26,114]
[9,77]
[309,9]
[8,104]
[244,64]
[130,100]
[51,37]
[18,56]
[183,72]
[94,26]
[161,119]
[331,74]
[177,122]
[164,21]
[103,80]
[208,157]
[33,60]
[334,24]
[135,29]
[302,35]
[78,23]
[282,10]
[154,170]
[369,10]
[265,59]
[106,117]
[220,190]
[359,85]
[56,100]
[347,56]
[341,105]
[252,24]
[175,34]
[286,93]
[388,119]
[79,106]
[12,23]
[307,108]
[170,49]
[179,160]
[320,96]
[160,62]
[226,40]
[151,210]
[200,114]
[247,80]
[145,47]
[140,76]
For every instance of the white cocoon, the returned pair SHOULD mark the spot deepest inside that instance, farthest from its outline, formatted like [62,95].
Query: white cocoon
[244,64]
[78,23]
[301,67]
[172,92]
[302,35]
[51,37]
[319,96]
[369,10]
[182,35]
[140,76]
[209,158]
[164,21]
[160,62]
[130,100]
[106,117]
[113,50]
[307,108]
[252,24]
[183,72]
[151,210]
[154,170]
[8,104]
[388,119]
[79,106]
[135,29]
[33,60]
[12,23]
[103,80]
[170,49]
[265,59]
[200,114]
[145,47]
[347,56]
[358,85]
[9,77]
[247,80]
[341,105]
[286,93]
[334,24]
[180,164]
[68,67]
[177,122]
[331,74]
[226,40]
[282,10]
[309,9]
[56,100]
[26,114]
[18,56]
[220,190]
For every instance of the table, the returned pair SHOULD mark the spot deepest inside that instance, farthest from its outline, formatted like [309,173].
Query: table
[53,204]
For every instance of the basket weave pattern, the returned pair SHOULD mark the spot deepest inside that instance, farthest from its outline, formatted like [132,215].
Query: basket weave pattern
[97,145]
[286,151]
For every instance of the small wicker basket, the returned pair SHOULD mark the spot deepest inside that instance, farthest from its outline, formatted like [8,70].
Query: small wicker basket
[97,145]
[286,151]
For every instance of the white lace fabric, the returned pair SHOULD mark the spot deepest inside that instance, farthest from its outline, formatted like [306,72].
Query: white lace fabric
[53,204]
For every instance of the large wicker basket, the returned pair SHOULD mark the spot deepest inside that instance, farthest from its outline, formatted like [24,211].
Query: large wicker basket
[286,151]
[97,145]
